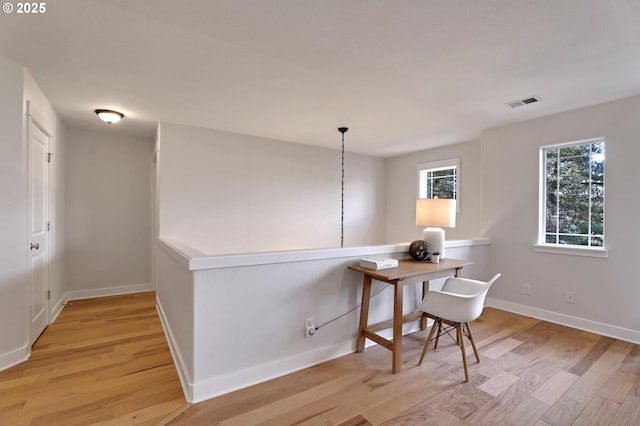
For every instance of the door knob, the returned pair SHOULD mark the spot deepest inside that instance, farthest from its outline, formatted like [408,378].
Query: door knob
[35,246]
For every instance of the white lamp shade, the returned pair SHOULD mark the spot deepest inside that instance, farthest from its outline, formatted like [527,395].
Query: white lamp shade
[436,212]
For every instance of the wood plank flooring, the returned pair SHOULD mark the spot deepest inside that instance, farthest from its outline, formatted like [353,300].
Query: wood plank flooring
[105,361]
[531,373]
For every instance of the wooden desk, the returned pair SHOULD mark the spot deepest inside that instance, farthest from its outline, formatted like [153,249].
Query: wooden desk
[407,272]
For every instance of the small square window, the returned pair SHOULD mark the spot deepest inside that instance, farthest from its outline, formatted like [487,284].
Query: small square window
[440,179]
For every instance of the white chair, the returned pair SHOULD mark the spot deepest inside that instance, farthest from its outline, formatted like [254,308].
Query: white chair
[460,301]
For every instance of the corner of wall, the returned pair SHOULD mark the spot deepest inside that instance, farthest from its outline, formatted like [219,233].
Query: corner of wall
[15,357]
[181,366]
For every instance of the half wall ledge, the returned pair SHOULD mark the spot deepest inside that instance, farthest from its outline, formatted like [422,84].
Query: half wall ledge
[196,260]
[212,308]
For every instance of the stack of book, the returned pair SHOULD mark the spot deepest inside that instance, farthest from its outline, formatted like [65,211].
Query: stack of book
[379,263]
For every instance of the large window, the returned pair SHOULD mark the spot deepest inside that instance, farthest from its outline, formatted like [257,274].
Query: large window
[439,179]
[572,198]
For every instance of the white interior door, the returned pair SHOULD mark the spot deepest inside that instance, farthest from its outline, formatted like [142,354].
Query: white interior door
[38,189]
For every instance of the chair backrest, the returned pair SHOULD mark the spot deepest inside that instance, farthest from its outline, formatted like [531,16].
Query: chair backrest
[467,286]
[473,293]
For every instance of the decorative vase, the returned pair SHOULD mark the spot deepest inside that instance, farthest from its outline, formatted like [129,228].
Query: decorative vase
[419,250]
[435,258]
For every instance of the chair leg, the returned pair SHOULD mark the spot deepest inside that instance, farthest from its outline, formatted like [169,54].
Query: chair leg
[426,344]
[460,337]
[473,344]
[439,332]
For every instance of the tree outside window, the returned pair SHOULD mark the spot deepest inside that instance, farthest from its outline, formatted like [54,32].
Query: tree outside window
[440,179]
[574,194]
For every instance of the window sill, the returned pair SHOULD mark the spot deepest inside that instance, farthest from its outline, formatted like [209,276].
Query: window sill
[572,250]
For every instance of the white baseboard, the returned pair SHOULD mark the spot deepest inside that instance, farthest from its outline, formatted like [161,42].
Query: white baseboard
[109,291]
[608,330]
[15,357]
[239,379]
[178,360]
[57,308]
[225,383]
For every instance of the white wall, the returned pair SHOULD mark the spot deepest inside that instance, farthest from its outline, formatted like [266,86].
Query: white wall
[108,213]
[402,191]
[17,87]
[607,290]
[228,193]
[235,325]
[57,277]
[14,331]
[175,303]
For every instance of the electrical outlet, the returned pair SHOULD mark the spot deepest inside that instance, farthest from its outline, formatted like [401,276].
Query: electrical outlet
[309,327]
[526,289]
[571,297]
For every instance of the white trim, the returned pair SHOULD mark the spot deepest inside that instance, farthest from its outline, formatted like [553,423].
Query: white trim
[53,315]
[572,250]
[181,252]
[225,383]
[33,117]
[572,143]
[15,357]
[183,373]
[196,260]
[109,291]
[440,164]
[542,199]
[608,330]
[37,117]
[88,294]
[467,243]
[541,246]
[226,261]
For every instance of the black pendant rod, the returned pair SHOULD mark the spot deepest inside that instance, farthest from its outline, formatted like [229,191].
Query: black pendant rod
[342,130]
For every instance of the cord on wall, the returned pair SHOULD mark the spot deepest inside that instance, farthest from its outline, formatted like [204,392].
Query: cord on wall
[347,313]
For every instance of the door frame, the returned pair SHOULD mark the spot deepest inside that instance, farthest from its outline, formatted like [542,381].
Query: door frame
[32,117]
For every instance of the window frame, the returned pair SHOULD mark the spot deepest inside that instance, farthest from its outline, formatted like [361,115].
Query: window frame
[541,245]
[449,163]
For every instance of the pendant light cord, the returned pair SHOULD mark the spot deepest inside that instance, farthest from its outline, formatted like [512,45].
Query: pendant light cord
[342,200]
[342,130]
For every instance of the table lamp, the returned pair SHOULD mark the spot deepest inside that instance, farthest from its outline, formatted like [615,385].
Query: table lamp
[435,213]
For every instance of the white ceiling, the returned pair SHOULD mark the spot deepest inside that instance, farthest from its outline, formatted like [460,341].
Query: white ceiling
[402,75]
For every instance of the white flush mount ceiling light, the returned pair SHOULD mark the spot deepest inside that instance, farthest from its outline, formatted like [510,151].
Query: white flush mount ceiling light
[109,116]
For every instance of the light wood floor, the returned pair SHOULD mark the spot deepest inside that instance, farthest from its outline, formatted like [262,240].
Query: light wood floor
[530,373]
[105,361]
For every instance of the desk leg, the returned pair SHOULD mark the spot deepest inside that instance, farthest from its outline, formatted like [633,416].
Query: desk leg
[364,312]
[396,346]
[425,289]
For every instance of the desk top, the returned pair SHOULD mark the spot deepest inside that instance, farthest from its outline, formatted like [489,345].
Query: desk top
[412,268]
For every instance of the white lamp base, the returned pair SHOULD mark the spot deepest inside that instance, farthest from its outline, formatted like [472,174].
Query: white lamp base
[435,239]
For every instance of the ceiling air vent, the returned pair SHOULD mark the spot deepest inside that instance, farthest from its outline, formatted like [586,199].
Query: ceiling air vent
[521,102]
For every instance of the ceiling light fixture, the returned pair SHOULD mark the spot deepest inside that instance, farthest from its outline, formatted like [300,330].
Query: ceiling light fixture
[109,116]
